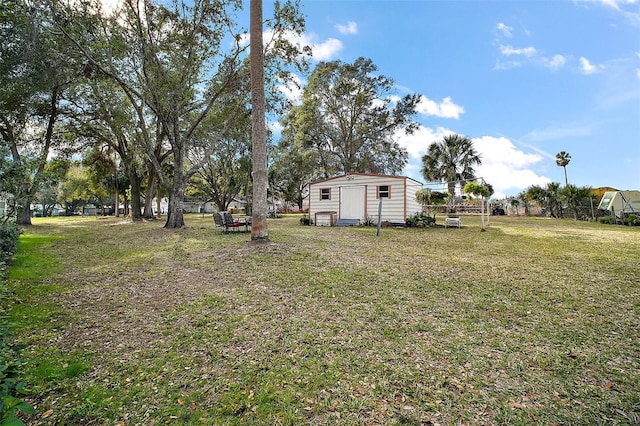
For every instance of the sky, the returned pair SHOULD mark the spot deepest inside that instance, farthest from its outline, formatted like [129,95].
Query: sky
[523,79]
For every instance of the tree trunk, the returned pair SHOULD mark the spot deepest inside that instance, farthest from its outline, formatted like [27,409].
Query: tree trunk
[23,200]
[136,191]
[175,211]
[451,187]
[23,214]
[148,198]
[126,204]
[116,203]
[175,214]
[259,229]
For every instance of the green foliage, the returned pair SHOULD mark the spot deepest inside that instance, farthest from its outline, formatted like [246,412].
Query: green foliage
[547,197]
[423,196]
[420,220]
[291,171]
[348,120]
[562,160]
[305,220]
[10,385]
[631,220]
[451,160]
[35,74]
[439,198]
[610,220]
[577,200]
[9,235]
[10,361]
[368,221]
[477,189]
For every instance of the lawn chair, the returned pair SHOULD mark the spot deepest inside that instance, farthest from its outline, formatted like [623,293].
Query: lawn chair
[228,222]
[219,221]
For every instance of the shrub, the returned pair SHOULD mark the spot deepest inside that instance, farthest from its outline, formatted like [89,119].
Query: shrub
[420,220]
[10,362]
[9,235]
[304,220]
[608,220]
[368,221]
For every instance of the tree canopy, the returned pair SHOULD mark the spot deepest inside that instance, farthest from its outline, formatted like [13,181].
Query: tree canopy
[452,161]
[562,160]
[349,117]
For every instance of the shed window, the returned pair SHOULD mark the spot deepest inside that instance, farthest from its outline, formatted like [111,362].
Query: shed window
[325,193]
[384,191]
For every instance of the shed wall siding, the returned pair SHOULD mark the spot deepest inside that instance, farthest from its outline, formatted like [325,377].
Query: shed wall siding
[413,206]
[398,207]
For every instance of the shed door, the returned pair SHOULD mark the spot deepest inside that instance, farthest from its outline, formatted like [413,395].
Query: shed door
[352,202]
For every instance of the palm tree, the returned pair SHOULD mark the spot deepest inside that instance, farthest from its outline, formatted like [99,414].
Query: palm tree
[259,229]
[547,197]
[451,160]
[562,159]
[577,199]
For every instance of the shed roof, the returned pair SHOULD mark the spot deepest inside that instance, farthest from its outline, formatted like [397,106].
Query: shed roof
[365,174]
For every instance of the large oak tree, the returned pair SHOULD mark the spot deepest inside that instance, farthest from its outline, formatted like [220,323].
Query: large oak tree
[349,116]
[177,63]
[35,73]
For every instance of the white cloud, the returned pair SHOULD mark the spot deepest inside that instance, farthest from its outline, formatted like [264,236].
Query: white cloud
[321,50]
[445,109]
[326,50]
[509,169]
[350,28]
[110,6]
[275,127]
[501,65]
[554,63]
[588,68]
[292,89]
[525,51]
[505,167]
[418,143]
[506,30]
[561,131]
[626,8]
[616,4]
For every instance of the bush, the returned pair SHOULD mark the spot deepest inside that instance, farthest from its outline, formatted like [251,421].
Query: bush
[304,220]
[608,220]
[10,362]
[420,220]
[9,235]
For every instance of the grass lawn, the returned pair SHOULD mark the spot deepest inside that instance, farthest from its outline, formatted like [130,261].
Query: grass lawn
[535,321]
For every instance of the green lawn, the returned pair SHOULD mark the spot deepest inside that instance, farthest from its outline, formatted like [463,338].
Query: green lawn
[535,321]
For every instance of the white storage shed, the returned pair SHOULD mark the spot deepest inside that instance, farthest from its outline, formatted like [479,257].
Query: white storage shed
[349,199]
[621,202]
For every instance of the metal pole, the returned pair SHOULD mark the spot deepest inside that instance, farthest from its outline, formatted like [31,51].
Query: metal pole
[379,217]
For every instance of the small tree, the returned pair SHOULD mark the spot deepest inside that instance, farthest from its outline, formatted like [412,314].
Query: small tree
[481,190]
[515,203]
[423,197]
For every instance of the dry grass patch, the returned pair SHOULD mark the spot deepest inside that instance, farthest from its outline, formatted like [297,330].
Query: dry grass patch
[534,321]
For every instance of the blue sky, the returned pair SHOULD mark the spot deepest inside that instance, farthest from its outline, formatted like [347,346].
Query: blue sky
[524,79]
